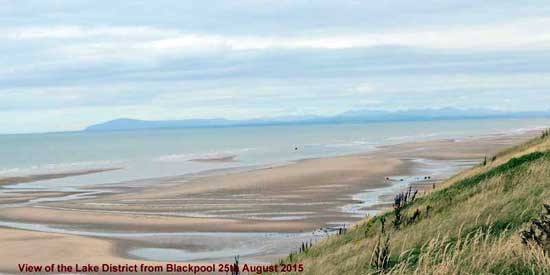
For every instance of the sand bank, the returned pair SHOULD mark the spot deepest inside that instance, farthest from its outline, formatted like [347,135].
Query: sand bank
[38,177]
[38,248]
[297,197]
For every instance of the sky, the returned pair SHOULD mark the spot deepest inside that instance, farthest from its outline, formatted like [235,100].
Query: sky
[68,64]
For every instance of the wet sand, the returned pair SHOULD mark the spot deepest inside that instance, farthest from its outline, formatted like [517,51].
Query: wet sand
[266,208]
[38,248]
[297,197]
[38,177]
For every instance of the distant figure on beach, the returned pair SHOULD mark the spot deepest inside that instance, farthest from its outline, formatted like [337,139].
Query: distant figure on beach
[295,148]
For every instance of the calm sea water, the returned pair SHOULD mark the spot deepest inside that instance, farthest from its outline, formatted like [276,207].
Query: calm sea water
[158,153]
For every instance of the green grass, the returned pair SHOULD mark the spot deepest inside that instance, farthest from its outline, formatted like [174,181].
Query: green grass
[473,226]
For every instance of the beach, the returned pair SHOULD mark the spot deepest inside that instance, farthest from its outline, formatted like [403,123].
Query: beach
[260,214]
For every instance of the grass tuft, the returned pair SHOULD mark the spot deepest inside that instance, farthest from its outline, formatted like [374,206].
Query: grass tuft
[475,223]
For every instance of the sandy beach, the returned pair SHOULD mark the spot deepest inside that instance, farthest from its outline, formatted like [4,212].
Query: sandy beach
[261,214]
[24,179]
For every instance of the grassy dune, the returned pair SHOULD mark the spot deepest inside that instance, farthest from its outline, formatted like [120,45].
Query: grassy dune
[472,224]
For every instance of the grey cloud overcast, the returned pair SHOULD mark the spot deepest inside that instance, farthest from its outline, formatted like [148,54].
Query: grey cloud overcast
[68,64]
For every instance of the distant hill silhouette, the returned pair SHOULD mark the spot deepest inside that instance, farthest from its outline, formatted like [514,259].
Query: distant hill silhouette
[357,116]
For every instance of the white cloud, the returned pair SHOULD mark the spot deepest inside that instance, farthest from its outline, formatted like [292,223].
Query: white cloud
[110,42]
[79,32]
[364,89]
[66,46]
[523,33]
[163,61]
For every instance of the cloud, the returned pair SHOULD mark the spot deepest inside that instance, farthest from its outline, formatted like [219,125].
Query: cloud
[80,32]
[67,47]
[78,62]
[521,32]
[364,89]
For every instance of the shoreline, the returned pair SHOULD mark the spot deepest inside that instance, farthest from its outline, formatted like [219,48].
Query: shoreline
[30,178]
[50,176]
[312,192]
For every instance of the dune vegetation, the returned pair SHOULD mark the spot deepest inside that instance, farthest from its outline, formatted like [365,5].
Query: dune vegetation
[490,219]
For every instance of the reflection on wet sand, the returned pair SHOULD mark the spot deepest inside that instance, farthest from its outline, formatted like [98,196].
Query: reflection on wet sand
[259,214]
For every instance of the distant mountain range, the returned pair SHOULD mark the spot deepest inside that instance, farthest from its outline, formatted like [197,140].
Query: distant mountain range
[359,116]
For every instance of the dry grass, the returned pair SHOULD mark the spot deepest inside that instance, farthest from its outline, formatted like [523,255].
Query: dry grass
[472,228]
[478,253]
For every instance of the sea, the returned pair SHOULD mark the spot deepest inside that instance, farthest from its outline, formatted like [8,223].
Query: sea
[157,153]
